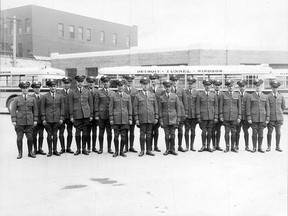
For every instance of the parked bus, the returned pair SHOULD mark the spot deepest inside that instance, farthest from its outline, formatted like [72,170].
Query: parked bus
[237,72]
[12,76]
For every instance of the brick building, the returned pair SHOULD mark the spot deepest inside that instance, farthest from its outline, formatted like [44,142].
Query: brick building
[89,63]
[42,31]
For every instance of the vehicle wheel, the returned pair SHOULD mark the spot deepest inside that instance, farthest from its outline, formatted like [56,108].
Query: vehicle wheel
[9,104]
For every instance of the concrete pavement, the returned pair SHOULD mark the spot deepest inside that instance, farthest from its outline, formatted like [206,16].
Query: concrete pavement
[191,183]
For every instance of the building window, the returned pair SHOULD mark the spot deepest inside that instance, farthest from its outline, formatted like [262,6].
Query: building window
[128,41]
[60,30]
[27,26]
[19,27]
[80,33]
[72,31]
[102,37]
[92,71]
[88,34]
[114,39]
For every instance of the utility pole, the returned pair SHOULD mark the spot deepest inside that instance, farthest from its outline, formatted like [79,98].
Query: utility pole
[14,19]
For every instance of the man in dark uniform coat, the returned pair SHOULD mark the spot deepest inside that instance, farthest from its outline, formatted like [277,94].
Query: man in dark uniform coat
[258,114]
[52,115]
[81,113]
[277,106]
[180,92]
[93,126]
[158,91]
[243,123]
[146,115]
[24,115]
[191,120]
[130,90]
[216,129]
[120,115]
[169,116]
[101,113]
[230,114]
[39,128]
[207,114]
[66,91]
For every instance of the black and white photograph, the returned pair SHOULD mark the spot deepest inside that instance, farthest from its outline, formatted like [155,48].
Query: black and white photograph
[132,107]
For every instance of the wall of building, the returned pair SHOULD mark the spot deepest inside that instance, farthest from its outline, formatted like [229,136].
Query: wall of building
[45,40]
[276,59]
[6,61]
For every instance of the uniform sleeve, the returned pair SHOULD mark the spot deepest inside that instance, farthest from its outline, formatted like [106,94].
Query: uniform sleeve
[216,107]
[111,107]
[96,104]
[239,106]
[156,108]
[129,108]
[135,107]
[90,101]
[185,101]
[71,104]
[248,108]
[267,107]
[221,105]
[198,106]
[43,108]
[35,110]
[13,110]
[62,108]
[178,111]
[283,105]
[160,111]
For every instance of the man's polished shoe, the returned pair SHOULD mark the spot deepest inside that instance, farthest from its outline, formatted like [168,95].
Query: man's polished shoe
[69,151]
[56,153]
[247,149]
[77,152]
[202,149]
[219,149]
[209,149]
[157,149]
[110,151]
[31,155]
[166,152]
[115,154]
[260,150]
[268,149]
[234,150]
[34,152]
[41,152]
[94,150]
[214,148]
[141,153]
[192,149]
[19,156]
[173,152]
[278,149]
[49,154]
[181,149]
[62,151]
[226,150]
[100,152]
[253,150]
[123,154]
[88,150]
[85,152]
[149,153]
[131,149]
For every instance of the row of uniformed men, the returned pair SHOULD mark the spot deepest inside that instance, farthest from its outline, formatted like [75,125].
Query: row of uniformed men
[171,108]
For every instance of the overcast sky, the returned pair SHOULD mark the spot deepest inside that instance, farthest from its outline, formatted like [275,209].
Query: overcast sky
[228,24]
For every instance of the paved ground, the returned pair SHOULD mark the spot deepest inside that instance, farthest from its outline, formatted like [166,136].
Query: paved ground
[243,184]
